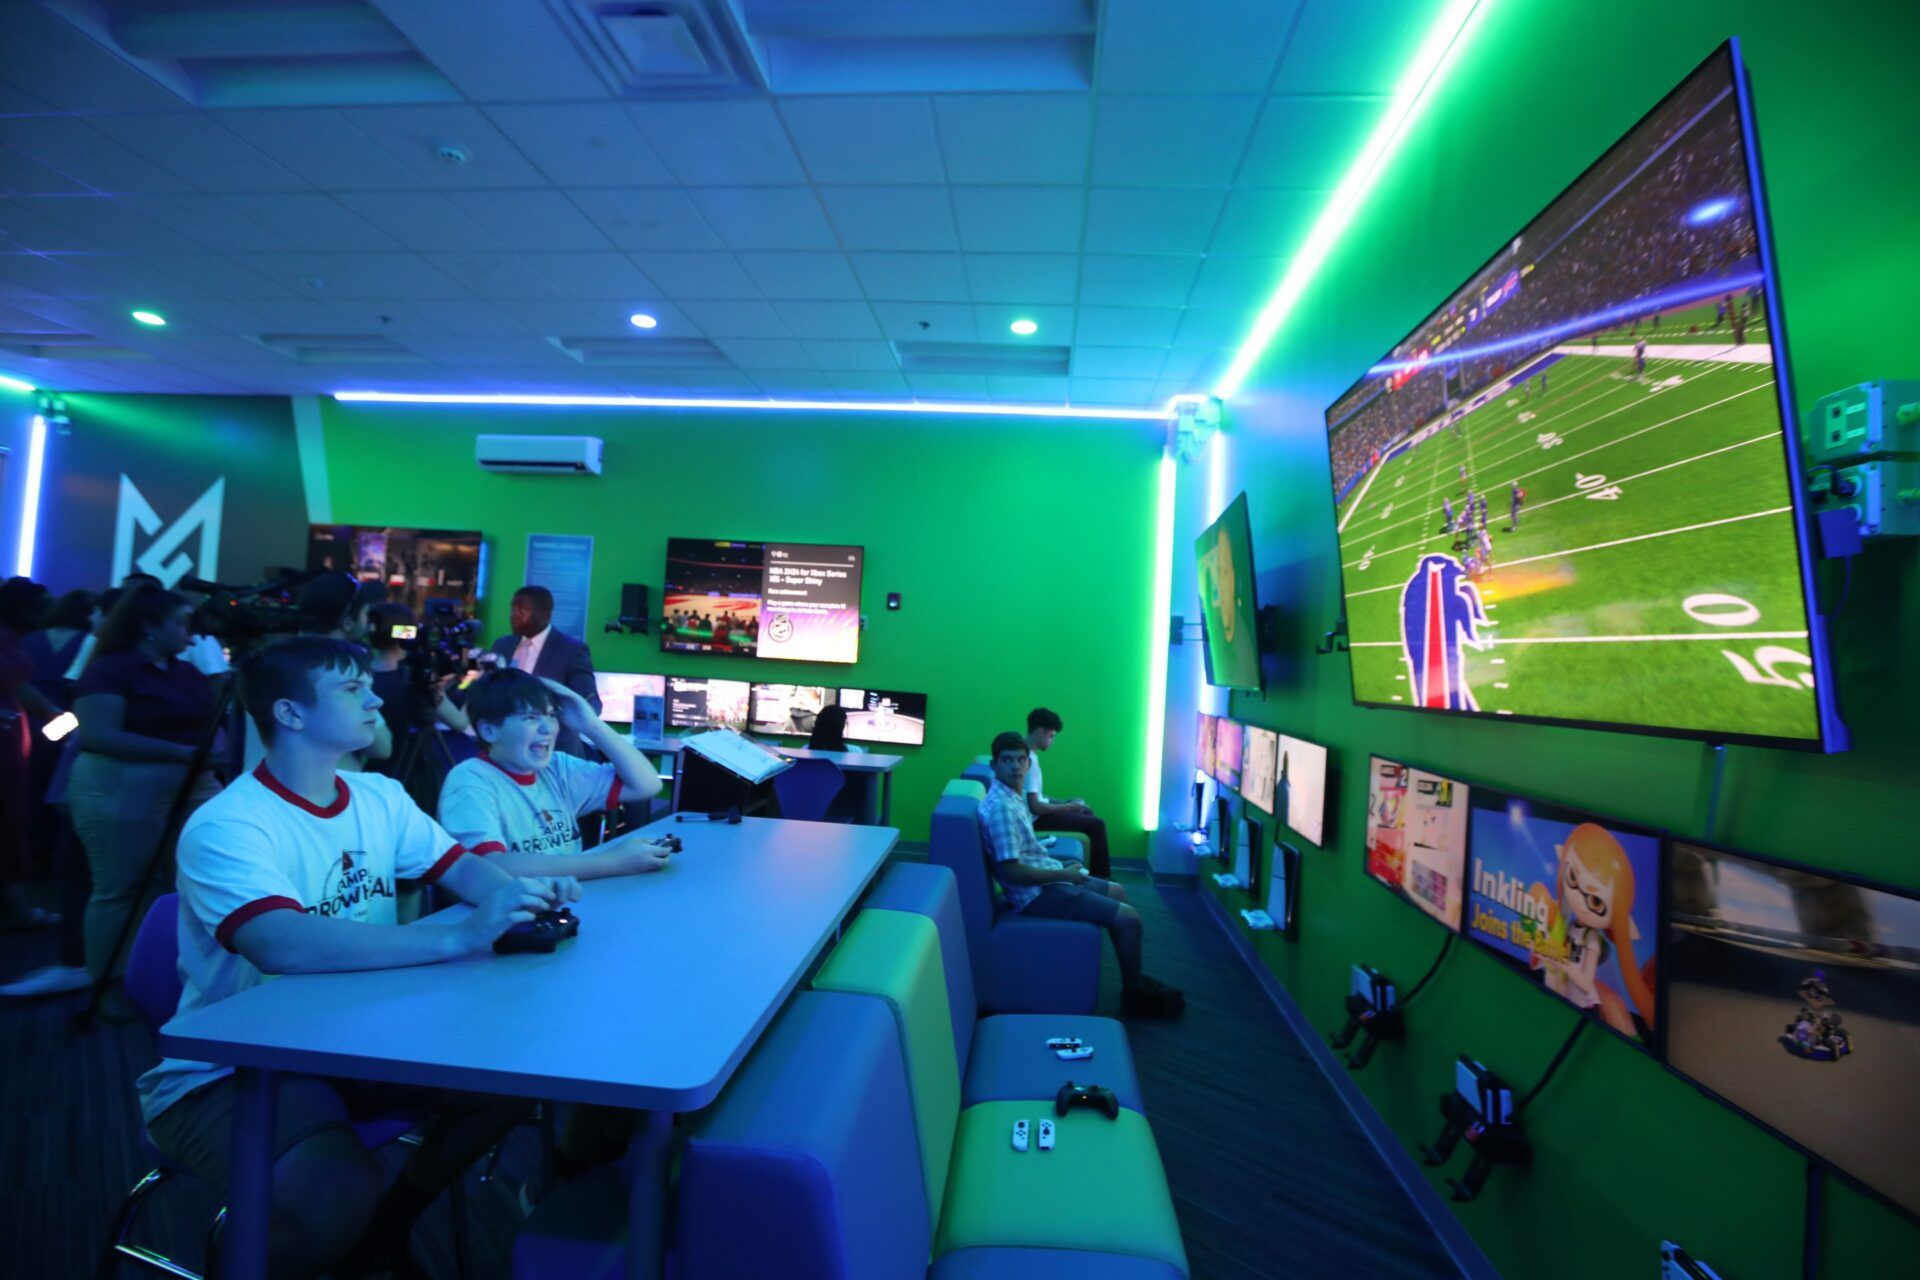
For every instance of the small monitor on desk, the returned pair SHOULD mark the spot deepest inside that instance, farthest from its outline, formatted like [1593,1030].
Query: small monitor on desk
[706,704]
[788,708]
[636,700]
[885,715]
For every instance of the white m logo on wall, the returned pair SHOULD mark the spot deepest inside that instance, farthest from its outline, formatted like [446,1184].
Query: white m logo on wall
[163,557]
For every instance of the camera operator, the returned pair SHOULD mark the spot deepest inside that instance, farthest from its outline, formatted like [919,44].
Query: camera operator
[335,605]
[400,689]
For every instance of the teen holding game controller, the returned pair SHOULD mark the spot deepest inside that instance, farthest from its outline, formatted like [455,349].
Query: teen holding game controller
[521,802]
[293,869]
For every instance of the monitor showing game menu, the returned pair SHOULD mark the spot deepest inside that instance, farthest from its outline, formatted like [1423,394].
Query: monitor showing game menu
[1794,996]
[636,700]
[1259,766]
[1303,772]
[1226,753]
[885,715]
[1572,494]
[1417,837]
[1570,901]
[788,708]
[762,599]
[698,703]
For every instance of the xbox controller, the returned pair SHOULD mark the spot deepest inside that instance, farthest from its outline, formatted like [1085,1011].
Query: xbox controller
[1073,1095]
[541,934]
[670,843]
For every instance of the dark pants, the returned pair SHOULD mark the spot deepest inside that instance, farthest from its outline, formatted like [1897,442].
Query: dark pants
[1092,827]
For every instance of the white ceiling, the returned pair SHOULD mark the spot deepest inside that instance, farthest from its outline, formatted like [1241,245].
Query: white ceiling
[1137,213]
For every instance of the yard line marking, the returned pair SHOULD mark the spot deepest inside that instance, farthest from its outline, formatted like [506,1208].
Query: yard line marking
[1647,639]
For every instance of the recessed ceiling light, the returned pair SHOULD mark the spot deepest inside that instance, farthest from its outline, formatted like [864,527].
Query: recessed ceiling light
[641,320]
[153,318]
[1024,327]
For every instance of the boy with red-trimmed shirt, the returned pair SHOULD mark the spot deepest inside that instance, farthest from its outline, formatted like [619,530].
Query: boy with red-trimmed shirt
[293,869]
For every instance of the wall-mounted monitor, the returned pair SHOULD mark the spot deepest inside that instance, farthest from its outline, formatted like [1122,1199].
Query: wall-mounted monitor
[1203,750]
[415,565]
[885,715]
[792,600]
[1259,766]
[788,708]
[637,700]
[1572,495]
[1572,902]
[1227,739]
[697,703]
[1794,996]
[1303,772]
[1417,837]
[1229,610]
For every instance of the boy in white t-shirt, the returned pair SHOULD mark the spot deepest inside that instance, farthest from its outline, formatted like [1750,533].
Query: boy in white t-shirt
[520,803]
[293,869]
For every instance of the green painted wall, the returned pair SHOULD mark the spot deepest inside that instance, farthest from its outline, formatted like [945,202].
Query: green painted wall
[1022,551]
[1627,1152]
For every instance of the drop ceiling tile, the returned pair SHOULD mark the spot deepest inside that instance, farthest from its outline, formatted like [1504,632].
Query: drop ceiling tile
[913,277]
[1307,142]
[1192,363]
[794,384]
[1019,219]
[1131,393]
[801,275]
[1127,326]
[314,222]
[212,222]
[764,353]
[451,315]
[582,144]
[1140,220]
[26,274]
[827,319]
[324,147]
[493,275]
[1170,142]
[697,275]
[1146,47]
[595,275]
[543,219]
[742,319]
[994,320]
[1167,388]
[497,50]
[949,386]
[82,153]
[37,224]
[1235,281]
[646,219]
[1204,328]
[872,385]
[1263,223]
[52,60]
[720,141]
[1019,139]
[1038,279]
[414,135]
[892,218]
[1024,390]
[1118,362]
[425,221]
[842,356]
[571,317]
[116,226]
[716,382]
[765,217]
[21,176]
[192,145]
[1355,46]
[926,321]
[355,275]
[220,275]
[1137,281]
[878,139]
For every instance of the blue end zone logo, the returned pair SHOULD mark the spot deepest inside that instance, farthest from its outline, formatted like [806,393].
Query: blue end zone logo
[1440,613]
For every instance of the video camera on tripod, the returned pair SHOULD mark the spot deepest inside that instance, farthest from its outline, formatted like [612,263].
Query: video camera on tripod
[242,616]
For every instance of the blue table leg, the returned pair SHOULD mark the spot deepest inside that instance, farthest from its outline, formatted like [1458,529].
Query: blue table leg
[886,798]
[647,1194]
[250,1195]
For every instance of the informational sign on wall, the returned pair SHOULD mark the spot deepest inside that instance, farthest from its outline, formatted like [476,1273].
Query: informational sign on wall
[563,564]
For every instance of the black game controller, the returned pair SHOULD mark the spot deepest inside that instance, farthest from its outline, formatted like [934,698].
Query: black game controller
[670,843]
[1098,1097]
[541,934]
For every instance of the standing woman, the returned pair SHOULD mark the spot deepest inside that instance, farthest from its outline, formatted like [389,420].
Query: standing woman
[143,709]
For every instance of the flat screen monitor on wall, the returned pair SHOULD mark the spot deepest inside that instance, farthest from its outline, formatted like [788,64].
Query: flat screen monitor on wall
[885,715]
[1794,997]
[1223,556]
[415,565]
[1259,766]
[1571,494]
[1571,902]
[1227,738]
[1203,750]
[788,708]
[706,704]
[790,600]
[1303,772]
[1417,837]
[637,700]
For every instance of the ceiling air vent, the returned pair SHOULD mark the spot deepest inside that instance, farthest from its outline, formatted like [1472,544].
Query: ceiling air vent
[338,348]
[66,344]
[644,353]
[661,48]
[982,357]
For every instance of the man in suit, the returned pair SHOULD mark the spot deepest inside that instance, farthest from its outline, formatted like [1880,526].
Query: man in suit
[537,649]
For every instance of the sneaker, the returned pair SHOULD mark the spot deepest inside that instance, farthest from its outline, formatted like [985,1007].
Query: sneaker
[54,980]
[1153,999]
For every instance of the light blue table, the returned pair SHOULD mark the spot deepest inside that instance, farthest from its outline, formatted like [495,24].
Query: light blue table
[671,981]
[870,767]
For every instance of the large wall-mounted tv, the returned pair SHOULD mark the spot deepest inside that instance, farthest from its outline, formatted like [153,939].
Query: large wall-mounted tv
[415,565]
[1229,609]
[1793,995]
[762,599]
[1572,902]
[1571,495]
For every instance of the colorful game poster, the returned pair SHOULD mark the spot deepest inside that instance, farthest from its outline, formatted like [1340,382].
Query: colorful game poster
[1573,902]
[1203,752]
[1387,821]
[1417,837]
[1259,766]
[1303,771]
